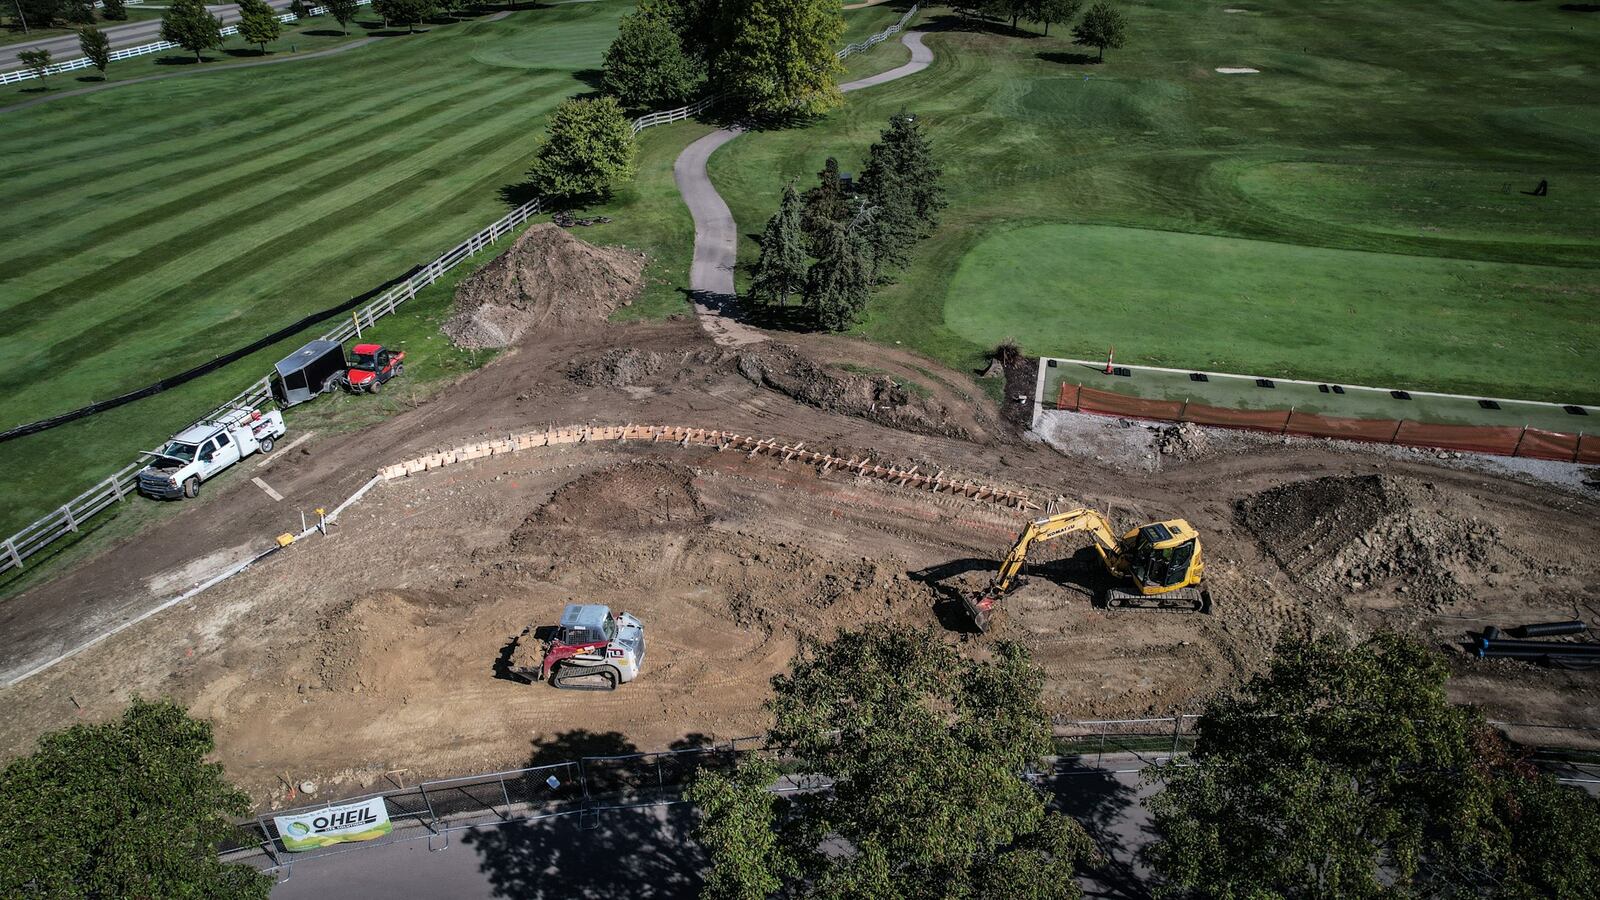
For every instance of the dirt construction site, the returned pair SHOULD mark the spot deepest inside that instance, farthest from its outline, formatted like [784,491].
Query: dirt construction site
[382,647]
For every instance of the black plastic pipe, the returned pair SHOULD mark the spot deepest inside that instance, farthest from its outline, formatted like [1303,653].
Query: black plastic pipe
[1543,646]
[1548,629]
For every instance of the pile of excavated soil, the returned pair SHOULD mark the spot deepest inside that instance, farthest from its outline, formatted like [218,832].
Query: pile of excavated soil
[874,397]
[630,367]
[372,644]
[626,497]
[1348,534]
[547,279]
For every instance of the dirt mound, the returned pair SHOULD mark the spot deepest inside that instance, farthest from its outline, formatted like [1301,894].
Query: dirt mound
[630,367]
[873,396]
[547,279]
[626,497]
[1361,533]
[371,644]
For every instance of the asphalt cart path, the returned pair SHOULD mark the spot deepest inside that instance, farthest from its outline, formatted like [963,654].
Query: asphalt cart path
[716,234]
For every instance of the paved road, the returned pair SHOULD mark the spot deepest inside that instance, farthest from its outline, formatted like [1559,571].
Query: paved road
[716,234]
[649,854]
[63,48]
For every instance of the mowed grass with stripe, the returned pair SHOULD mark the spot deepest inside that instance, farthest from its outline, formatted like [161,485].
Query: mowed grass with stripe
[148,228]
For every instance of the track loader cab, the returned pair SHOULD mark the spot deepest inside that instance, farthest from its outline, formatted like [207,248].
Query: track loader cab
[592,649]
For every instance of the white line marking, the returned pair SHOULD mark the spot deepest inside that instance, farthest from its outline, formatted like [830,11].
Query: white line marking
[274,457]
[268,488]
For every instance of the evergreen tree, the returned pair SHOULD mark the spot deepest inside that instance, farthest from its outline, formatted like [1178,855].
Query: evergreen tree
[80,12]
[839,283]
[130,808]
[889,222]
[904,153]
[824,206]
[776,57]
[114,10]
[781,269]
[258,23]
[191,26]
[589,149]
[342,11]
[1051,12]
[1102,27]
[96,47]
[646,67]
[299,9]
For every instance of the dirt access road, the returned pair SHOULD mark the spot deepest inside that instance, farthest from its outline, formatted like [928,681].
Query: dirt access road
[378,648]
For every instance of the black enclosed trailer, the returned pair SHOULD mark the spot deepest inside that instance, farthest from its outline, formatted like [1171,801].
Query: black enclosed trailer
[308,372]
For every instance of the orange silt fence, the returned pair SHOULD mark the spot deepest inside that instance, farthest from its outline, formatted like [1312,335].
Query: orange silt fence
[1498,440]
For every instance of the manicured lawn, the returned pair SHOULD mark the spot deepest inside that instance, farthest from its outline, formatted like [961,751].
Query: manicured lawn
[1352,212]
[146,229]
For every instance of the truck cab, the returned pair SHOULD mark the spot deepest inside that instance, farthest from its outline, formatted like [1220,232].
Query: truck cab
[206,448]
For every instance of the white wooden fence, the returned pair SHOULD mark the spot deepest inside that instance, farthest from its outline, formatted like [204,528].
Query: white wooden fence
[878,38]
[83,62]
[67,518]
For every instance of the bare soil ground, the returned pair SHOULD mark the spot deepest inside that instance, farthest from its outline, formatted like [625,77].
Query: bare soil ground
[383,646]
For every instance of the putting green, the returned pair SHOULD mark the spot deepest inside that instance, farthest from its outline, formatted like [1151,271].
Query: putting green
[1232,304]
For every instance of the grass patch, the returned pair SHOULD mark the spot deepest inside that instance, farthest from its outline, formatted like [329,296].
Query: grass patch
[1364,196]
[252,204]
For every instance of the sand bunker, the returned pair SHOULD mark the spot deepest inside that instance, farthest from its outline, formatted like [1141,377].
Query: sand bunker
[547,279]
[1354,534]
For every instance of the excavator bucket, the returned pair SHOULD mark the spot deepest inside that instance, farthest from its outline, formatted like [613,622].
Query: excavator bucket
[979,609]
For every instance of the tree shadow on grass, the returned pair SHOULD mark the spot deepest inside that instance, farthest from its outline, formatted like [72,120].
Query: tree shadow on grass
[976,25]
[324,32]
[237,52]
[1581,7]
[1068,58]
[90,78]
[183,60]
[593,78]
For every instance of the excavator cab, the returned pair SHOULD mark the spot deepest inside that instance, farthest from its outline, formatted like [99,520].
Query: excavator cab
[1163,555]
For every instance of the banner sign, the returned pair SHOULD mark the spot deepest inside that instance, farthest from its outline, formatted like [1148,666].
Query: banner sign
[334,824]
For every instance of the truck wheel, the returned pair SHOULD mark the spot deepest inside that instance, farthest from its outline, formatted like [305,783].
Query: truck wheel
[266,445]
[191,487]
[375,387]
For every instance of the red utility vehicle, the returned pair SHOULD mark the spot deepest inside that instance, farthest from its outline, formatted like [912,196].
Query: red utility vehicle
[371,365]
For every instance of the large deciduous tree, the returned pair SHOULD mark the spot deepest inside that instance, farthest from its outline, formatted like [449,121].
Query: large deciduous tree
[926,751]
[36,61]
[1055,12]
[114,10]
[37,13]
[589,149]
[1343,771]
[781,269]
[130,808]
[776,57]
[646,66]
[96,47]
[191,26]
[258,23]
[342,11]
[1101,27]
[411,12]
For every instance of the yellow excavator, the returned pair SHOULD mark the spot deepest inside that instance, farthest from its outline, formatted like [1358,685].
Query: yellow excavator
[1160,562]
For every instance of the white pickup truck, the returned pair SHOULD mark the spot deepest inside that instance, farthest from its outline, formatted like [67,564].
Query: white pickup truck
[201,451]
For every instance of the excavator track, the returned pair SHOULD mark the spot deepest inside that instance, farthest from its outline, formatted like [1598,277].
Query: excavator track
[1185,600]
[584,678]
